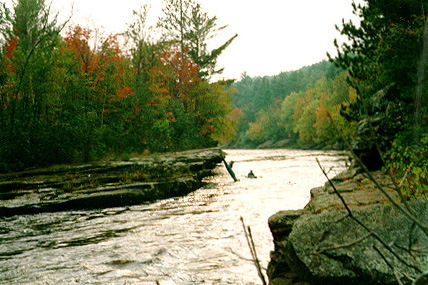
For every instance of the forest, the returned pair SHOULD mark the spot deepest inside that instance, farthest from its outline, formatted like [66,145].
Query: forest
[70,94]
[379,76]
[293,106]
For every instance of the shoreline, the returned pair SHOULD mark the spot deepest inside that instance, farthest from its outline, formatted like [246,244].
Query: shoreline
[321,244]
[103,185]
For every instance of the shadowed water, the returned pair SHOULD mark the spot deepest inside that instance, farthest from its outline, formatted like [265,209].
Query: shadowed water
[193,239]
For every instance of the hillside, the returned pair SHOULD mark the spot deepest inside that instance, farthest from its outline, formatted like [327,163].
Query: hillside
[290,107]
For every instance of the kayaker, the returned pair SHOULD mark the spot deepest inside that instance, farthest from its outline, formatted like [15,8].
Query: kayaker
[251,174]
[231,164]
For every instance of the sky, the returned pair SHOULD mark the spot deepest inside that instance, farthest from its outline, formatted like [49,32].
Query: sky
[274,36]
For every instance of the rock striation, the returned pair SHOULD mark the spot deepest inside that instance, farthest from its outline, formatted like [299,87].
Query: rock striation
[321,244]
[103,185]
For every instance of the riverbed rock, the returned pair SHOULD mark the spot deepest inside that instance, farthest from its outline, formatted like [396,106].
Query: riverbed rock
[102,185]
[266,145]
[322,244]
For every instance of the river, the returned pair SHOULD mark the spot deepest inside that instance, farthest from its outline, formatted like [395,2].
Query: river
[188,240]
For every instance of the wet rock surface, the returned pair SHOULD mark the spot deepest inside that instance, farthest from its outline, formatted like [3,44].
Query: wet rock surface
[102,185]
[321,244]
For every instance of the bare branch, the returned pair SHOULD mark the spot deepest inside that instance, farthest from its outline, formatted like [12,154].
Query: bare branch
[399,206]
[402,180]
[250,243]
[376,236]
[389,265]
[345,244]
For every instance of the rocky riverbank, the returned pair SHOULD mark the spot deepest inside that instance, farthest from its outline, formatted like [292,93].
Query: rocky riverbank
[285,143]
[321,244]
[102,185]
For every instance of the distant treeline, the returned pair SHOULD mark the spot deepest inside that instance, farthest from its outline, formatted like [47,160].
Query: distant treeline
[292,105]
[73,94]
[378,81]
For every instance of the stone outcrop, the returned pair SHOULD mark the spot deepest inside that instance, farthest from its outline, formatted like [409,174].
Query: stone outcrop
[321,244]
[102,185]
[371,125]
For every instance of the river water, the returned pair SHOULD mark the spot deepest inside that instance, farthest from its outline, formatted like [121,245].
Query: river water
[189,240]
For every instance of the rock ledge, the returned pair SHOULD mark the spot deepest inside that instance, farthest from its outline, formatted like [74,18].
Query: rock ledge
[105,185]
[321,244]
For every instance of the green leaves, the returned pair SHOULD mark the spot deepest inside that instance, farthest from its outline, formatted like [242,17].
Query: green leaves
[65,100]
[293,105]
[186,25]
[386,53]
[411,164]
[383,49]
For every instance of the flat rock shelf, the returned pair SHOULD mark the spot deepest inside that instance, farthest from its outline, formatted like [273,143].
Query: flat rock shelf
[101,185]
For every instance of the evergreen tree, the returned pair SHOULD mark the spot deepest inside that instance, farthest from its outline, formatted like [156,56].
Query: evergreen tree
[31,34]
[388,51]
[383,50]
[188,26]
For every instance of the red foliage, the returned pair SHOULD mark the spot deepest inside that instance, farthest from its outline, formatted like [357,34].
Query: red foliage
[180,70]
[125,92]
[77,40]
[237,111]
[11,47]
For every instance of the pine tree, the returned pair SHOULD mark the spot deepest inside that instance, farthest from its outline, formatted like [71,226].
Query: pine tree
[185,24]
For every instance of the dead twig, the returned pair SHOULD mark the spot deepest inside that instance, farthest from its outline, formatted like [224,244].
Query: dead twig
[252,247]
[376,236]
[389,265]
[402,180]
[345,244]
[399,206]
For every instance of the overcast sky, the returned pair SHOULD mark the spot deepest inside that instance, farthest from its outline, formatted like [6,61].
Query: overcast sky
[274,35]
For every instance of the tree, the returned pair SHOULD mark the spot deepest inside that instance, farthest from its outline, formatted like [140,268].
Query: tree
[388,51]
[384,50]
[257,131]
[63,100]
[187,25]
[203,28]
[287,113]
[31,34]
[305,124]
[329,106]
[144,51]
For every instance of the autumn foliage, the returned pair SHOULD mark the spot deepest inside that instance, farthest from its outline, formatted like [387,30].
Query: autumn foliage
[71,94]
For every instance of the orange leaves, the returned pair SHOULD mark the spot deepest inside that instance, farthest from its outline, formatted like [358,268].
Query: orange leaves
[207,128]
[77,39]
[101,68]
[11,47]
[125,92]
[112,44]
[236,111]
[180,71]
[158,82]
[170,117]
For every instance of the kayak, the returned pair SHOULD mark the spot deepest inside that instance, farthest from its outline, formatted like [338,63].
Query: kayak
[229,169]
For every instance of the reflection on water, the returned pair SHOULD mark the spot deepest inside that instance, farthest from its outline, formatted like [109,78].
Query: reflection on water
[193,239]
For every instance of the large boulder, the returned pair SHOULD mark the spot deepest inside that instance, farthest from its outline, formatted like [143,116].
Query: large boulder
[322,244]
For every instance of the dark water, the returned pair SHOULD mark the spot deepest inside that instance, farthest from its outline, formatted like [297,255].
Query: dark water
[189,240]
